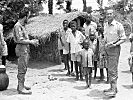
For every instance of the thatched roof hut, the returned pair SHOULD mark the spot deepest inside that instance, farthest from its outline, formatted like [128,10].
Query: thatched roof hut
[43,26]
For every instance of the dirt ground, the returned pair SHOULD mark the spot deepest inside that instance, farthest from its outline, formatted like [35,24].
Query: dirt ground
[65,87]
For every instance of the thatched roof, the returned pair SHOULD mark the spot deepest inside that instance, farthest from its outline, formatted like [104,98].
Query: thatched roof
[43,26]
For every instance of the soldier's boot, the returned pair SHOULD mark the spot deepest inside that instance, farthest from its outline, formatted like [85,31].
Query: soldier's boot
[113,91]
[21,88]
[26,87]
[108,90]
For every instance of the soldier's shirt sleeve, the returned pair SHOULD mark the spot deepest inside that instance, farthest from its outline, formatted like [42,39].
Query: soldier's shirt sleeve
[18,34]
[121,32]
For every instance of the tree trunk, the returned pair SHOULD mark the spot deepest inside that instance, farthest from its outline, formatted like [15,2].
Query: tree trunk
[50,6]
[84,5]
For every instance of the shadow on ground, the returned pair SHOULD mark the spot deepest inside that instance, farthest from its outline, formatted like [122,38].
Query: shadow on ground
[127,71]
[40,64]
[98,95]
[80,87]
[128,86]
[70,79]
[56,70]
[58,74]
[9,92]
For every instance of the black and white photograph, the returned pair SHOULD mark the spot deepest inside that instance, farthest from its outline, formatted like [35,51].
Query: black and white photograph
[66,49]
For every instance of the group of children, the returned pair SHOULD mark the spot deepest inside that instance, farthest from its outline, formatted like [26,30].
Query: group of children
[84,50]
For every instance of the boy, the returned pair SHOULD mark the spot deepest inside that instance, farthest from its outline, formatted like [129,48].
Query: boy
[74,40]
[130,59]
[82,30]
[63,36]
[94,46]
[87,61]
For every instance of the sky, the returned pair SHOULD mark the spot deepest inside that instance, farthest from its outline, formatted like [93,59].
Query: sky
[77,4]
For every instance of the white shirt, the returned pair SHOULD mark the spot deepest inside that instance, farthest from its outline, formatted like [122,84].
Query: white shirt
[92,26]
[74,41]
[86,57]
[114,32]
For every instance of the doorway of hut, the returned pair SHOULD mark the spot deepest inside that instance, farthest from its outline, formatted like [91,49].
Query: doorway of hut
[11,49]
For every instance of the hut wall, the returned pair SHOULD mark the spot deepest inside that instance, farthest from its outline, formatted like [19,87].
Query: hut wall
[47,50]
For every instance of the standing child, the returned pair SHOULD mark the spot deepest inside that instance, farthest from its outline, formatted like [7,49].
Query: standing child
[74,40]
[82,30]
[87,61]
[102,57]
[130,59]
[94,46]
[63,37]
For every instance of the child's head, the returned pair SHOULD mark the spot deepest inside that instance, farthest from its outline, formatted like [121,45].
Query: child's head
[65,24]
[92,36]
[86,44]
[73,26]
[82,29]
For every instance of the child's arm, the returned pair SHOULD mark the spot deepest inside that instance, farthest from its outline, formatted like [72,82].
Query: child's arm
[131,37]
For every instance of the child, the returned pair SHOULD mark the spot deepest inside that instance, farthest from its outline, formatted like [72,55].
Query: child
[130,59]
[63,37]
[74,40]
[130,62]
[94,46]
[87,61]
[102,57]
[82,30]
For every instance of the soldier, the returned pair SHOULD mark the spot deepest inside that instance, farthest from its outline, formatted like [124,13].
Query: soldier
[114,36]
[22,51]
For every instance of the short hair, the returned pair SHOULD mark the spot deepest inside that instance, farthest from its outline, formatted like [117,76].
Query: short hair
[65,20]
[23,13]
[110,10]
[73,23]
[85,41]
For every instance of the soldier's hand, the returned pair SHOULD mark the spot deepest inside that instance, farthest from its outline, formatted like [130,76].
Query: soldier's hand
[35,42]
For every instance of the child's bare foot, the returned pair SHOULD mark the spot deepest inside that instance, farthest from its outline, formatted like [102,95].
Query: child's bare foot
[87,86]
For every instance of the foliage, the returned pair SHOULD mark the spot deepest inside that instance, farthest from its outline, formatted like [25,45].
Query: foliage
[50,6]
[10,10]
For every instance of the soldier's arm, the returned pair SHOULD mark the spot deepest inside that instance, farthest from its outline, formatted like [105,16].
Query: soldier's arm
[122,35]
[20,38]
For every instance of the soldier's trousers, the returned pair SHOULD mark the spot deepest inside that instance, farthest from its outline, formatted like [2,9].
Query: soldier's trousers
[22,69]
[112,62]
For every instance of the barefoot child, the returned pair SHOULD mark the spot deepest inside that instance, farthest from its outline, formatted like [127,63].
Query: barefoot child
[130,59]
[74,39]
[87,61]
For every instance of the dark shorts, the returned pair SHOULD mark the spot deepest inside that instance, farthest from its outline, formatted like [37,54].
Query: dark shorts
[65,57]
[87,70]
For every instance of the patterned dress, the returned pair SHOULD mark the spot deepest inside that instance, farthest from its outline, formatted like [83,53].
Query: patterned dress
[102,63]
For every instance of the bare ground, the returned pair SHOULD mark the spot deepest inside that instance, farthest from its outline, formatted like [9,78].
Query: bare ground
[65,87]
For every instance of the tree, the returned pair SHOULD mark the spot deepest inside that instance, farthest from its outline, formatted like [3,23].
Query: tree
[84,5]
[50,6]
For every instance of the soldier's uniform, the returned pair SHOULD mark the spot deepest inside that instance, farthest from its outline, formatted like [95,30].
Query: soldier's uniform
[113,33]
[22,51]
